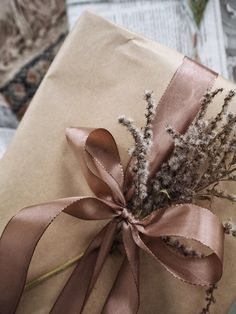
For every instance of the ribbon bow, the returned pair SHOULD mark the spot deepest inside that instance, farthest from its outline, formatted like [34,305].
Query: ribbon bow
[105,176]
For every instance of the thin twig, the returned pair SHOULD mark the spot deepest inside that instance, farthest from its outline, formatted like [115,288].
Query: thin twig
[36,281]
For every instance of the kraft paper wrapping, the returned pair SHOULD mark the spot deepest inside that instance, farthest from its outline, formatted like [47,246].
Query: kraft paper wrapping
[100,72]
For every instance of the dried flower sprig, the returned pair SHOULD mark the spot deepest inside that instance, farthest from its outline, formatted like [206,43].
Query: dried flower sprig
[208,148]
[179,247]
[209,298]
[230,228]
[140,168]
[143,142]
[151,107]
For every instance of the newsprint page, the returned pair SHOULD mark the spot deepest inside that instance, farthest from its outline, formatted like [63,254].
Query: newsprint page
[171,22]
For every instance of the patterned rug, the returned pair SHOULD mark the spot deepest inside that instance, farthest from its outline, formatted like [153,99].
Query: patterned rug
[21,88]
[31,32]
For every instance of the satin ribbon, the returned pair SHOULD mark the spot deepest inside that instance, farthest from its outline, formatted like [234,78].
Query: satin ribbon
[106,177]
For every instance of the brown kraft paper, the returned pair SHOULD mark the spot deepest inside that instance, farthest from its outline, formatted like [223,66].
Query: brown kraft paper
[100,72]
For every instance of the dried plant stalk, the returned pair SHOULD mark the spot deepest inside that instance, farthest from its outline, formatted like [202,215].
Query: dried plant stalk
[230,228]
[143,142]
[210,299]
[207,150]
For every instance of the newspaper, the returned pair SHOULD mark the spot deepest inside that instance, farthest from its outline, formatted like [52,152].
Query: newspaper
[210,40]
[171,23]
[145,17]
[228,11]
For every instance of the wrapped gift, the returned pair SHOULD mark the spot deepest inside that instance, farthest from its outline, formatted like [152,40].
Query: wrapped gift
[100,73]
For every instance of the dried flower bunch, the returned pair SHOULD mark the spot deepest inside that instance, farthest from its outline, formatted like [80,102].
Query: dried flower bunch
[202,157]
[207,150]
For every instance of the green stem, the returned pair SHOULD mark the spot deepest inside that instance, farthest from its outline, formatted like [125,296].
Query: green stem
[36,281]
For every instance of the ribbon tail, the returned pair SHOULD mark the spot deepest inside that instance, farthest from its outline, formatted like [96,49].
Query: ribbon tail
[17,246]
[124,295]
[82,280]
[22,234]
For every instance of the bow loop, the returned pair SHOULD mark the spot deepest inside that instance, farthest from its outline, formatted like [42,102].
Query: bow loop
[101,161]
[188,221]
[192,223]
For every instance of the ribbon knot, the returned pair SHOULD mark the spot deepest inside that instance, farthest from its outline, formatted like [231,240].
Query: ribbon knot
[127,216]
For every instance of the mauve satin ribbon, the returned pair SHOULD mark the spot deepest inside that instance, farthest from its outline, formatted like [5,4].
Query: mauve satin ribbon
[104,174]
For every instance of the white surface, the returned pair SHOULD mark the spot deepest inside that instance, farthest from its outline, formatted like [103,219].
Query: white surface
[211,40]
[5,138]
